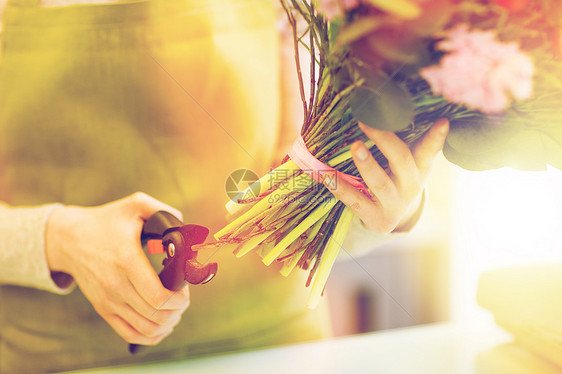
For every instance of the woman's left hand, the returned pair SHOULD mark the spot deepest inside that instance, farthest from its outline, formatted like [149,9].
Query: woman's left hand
[396,193]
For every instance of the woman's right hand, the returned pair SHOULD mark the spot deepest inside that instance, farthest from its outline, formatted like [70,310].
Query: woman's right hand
[100,248]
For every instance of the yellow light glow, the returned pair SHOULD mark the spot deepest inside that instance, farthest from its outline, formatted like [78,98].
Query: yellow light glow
[502,218]
[513,216]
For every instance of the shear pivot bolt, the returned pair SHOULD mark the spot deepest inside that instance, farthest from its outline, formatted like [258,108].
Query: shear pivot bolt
[171,249]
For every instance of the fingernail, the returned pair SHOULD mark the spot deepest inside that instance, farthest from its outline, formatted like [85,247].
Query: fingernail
[444,126]
[361,152]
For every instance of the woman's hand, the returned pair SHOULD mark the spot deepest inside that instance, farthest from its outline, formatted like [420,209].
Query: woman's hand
[396,193]
[100,247]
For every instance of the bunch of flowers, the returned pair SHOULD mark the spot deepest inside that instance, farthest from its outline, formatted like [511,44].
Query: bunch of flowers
[492,67]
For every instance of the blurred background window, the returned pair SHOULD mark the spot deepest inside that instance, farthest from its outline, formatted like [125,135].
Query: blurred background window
[473,222]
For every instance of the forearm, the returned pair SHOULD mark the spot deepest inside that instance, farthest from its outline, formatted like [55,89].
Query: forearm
[22,249]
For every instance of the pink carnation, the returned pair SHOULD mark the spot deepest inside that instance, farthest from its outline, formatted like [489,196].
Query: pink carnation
[480,71]
[335,8]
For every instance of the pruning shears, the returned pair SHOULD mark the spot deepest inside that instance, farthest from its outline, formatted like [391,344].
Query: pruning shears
[164,233]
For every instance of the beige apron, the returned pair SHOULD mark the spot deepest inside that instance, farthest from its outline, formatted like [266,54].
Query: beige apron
[89,113]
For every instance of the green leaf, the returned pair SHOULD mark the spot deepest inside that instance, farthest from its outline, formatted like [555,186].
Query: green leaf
[333,31]
[357,30]
[468,162]
[472,137]
[392,50]
[482,146]
[383,104]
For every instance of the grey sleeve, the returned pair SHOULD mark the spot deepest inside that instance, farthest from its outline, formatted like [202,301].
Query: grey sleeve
[22,249]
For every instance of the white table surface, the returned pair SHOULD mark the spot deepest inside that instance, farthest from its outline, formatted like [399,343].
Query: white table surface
[431,349]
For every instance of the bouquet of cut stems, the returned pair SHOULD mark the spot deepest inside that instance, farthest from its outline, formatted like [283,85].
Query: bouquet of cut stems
[489,67]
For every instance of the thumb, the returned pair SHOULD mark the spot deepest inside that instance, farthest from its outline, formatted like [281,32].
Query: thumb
[429,145]
[146,205]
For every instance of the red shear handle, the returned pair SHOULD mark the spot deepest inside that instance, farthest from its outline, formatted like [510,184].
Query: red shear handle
[165,233]
[181,266]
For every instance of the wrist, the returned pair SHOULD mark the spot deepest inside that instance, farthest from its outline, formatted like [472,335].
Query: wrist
[412,215]
[55,234]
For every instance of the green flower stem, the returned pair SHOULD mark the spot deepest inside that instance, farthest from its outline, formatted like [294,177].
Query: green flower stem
[258,208]
[252,243]
[330,254]
[320,240]
[343,93]
[266,206]
[334,141]
[324,85]
[290,264]
[325,137]
[265,182]
[289,214]
[250,226]
[278,208]
[285,230]
[273,218]
[290,237]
